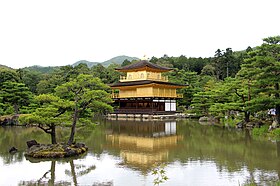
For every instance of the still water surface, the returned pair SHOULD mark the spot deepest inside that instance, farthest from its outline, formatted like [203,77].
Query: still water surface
[127,152]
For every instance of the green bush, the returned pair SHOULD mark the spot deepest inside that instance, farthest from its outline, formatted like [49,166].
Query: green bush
[260,131]
[276,132]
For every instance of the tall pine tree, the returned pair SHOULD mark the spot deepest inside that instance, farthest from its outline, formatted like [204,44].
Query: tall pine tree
[263,67]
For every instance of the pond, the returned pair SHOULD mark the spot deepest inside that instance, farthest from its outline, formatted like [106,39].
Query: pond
[129,152]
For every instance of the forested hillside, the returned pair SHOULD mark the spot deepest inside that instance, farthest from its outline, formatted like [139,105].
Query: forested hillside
[46,70]
[231,83]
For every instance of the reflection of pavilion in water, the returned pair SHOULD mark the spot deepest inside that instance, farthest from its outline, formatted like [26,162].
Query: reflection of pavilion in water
[141,144]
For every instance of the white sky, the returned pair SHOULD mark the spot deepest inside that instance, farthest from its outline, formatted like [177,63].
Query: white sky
[61,32]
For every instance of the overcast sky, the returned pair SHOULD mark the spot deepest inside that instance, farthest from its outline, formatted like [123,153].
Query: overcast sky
[61,32]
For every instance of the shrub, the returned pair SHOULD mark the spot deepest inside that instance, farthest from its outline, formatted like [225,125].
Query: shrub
[263,130]
[276,132]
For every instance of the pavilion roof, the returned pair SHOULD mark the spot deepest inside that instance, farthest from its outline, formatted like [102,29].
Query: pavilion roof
[143,64]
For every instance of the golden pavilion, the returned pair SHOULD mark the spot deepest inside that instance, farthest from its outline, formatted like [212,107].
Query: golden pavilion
[145,90]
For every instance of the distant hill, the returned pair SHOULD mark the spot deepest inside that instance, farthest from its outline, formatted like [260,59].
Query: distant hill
[46,70]
[3,66]
[117,60]
[88,63]
[43,70]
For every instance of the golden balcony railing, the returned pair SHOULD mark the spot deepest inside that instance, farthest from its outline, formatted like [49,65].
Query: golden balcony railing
[162,78]
[117,95]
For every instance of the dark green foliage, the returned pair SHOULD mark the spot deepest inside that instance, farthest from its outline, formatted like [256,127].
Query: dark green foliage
[69,72]
[100,72]
[74,102]
[15,94]
[60,76]
[49,82]
[208,70]
[107,75]
[113,75]
[182,63]
[30,78]
[86,95]
[203,99]
[125,63]
[262,68]
[248,82]
[42,70]
[226,63]
[8,75]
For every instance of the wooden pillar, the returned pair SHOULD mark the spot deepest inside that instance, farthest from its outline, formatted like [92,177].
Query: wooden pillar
[152,105]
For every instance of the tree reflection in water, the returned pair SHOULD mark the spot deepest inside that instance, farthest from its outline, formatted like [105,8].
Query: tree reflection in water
[48,177]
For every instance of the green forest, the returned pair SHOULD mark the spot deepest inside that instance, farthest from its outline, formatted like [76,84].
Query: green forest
[234,84]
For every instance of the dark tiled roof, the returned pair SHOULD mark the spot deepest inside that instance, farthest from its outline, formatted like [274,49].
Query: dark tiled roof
[142,82]
[141,64]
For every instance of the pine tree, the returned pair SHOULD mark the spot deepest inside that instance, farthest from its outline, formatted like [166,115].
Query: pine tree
[263,68]
[15,94]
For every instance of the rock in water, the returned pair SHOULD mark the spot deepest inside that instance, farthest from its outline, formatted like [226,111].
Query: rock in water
[31,143]
[203,119]
[13,150]
[240,124]
[79,145]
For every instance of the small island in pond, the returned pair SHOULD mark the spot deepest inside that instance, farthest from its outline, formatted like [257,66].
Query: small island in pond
[36,150]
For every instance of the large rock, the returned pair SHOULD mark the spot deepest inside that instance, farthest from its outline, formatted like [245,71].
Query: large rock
[254,124]
[208,119]
[31,143]
[9,120]
[70,152]
[79,145]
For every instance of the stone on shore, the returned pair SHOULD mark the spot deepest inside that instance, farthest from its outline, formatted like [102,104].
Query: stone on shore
[208,119]
[9,120]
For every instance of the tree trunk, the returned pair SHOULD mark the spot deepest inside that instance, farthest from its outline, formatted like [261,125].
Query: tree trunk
[53,135]
[73,128]
[277,106]
[247,137]
[52,180]
[73,172]
[247,116]
[16,108]
[277,114]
